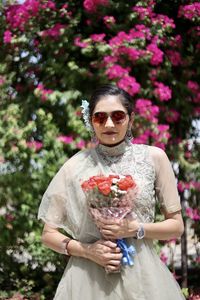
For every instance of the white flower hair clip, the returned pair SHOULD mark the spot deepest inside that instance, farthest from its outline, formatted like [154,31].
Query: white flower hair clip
[86,114]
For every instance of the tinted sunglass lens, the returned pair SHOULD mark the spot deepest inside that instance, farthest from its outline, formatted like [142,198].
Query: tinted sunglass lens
[100,117]
[118,116]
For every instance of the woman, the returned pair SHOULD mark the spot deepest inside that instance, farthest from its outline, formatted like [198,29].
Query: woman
[94,269]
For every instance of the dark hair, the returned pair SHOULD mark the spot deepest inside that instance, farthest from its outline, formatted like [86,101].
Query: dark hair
[111,89]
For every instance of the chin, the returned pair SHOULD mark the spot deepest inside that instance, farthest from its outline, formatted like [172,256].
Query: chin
[111,142]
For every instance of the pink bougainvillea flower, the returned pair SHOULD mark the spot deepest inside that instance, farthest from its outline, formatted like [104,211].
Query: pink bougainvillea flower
[142,138]
[193,213]
[36,145]
[129,84]
[7,37]
[163,257]
[54,31]
[97,37]
[116,71]
[156,54]
[79,43]
[172,116]
[145,108]
[108,59]
[162,92]
[81,144]
[66,139]
[193,86]
[43,92]
[174,57]
[163,20]
[91,5]
[109,21]
[18,15]
[143,11]
[190,11]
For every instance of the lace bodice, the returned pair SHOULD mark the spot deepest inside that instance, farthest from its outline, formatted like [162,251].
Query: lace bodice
[134,160]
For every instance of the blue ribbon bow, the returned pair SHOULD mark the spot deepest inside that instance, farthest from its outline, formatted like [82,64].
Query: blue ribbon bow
[127,252]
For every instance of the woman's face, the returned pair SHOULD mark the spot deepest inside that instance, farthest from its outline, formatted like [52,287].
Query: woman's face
[110,120]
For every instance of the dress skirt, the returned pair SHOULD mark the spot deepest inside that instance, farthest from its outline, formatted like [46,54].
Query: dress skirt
[147,279]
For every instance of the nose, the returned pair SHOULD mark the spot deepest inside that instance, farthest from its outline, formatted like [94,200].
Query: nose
[109,122]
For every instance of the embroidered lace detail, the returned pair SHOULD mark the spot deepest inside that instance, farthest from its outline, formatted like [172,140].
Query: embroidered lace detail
[134,160]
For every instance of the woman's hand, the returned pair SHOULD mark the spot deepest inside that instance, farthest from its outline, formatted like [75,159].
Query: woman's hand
[105,254]
[117,229]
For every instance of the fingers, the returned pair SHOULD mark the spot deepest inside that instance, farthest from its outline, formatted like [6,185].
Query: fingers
[110,221]
[110,244]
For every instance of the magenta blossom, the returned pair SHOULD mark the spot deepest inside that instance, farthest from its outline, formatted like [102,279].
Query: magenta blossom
[145,108]
[143,11]
[142,138]
[163,20]
[129,84]
[97,37]
[163,257]
[18,15]
[193,86]
[36,145]
[162,92]
[131,52]
[119,39]
[193,213]
[80,144]
[79,43]
[190,11]
[174,57]
[108,59]
[43,92]
[116,71]
[156,54]
[91,5]
[7,38]
[109,21]
[172,116]
[66,139]
[54,31]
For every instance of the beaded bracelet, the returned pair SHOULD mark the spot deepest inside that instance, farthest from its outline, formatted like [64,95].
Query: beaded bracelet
[66,252]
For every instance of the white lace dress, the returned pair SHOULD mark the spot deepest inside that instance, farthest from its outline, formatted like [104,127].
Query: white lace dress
[64,206]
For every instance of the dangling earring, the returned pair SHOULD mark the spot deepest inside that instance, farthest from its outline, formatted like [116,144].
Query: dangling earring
[94,139]
[129,136]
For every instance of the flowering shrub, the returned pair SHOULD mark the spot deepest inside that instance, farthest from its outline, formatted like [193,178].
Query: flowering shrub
[52,53]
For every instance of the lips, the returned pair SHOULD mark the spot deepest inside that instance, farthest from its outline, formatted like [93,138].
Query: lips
[110,132]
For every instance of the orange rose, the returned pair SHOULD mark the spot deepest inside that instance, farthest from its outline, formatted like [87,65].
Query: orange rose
[126,183]
[104,187]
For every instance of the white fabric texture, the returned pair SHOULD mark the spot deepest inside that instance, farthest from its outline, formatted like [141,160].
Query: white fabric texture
[64,206]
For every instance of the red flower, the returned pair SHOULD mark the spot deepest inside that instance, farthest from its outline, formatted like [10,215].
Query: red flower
[126,183]
[113,176]
[88,185]
[105,187]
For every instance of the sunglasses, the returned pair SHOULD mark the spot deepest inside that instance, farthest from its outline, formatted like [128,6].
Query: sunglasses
[117,116]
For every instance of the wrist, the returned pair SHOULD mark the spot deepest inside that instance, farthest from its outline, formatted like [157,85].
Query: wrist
[66,249]
[133,228]
[76,248]
[140,233]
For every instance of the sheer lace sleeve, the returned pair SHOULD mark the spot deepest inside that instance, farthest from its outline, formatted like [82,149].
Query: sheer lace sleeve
[53,207]
[165,183]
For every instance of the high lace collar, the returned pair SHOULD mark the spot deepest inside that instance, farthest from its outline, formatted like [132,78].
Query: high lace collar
[115,150]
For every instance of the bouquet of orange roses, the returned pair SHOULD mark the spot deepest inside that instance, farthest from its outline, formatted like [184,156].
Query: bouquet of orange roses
[112,197]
